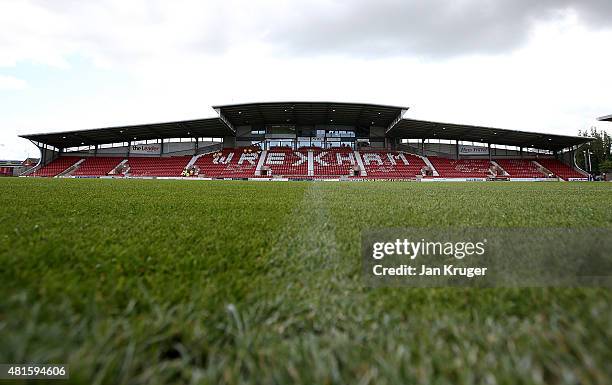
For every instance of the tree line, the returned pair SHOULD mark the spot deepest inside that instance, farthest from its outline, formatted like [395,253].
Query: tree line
[600,149]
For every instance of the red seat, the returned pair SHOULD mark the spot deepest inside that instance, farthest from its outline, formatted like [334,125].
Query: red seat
[333,162]
[229,163]
[560,169]
[55,167]
[520,168]
[97,166]
[461,168]
[157,166]
[391,164]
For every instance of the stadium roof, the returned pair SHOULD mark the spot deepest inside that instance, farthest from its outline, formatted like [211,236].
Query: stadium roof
[422,129]
[213,127]
[307,113]
[607,118]
[349,114]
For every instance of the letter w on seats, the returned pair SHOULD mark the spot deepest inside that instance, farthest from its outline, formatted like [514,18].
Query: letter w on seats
[223,159]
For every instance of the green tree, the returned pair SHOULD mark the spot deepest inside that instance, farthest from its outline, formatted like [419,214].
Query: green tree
[605,166]
[600,148]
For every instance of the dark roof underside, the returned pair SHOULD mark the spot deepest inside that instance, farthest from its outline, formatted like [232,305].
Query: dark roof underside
[213,127]
[607,118]
[310,113]
[422,129]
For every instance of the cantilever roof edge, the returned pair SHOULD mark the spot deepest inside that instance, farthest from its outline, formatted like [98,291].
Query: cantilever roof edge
[499,129]
[408,128]
[181,128]
[310,102]
[607,118]
[310,112]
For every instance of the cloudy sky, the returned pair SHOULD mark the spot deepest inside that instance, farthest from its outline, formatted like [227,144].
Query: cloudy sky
[541,65]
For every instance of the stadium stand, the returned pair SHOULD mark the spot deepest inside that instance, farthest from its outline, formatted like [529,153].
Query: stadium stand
[56,166]
[334,162]
[97,166]
[157,166]
[561,169]
[391,164]
[6,171]
[324,163]
[521,168]
[229,163]
[284,161]
[240,143]
[461,168]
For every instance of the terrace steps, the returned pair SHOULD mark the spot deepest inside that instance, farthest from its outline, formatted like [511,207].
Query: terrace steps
[71,169]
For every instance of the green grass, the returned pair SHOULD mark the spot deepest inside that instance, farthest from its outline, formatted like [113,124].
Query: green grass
[142,281]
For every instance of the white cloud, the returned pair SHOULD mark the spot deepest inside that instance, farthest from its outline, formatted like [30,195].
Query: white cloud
[137,31]
[11,83]
[114,32]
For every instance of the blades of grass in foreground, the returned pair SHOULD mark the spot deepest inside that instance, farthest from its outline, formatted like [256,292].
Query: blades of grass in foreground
[235,282]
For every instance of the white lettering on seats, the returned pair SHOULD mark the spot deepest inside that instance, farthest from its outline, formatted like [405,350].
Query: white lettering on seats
[303,158]
[399,156]
[348,157]
[319,159]
[223,159]
[248,157]
[276,158]
[369,158]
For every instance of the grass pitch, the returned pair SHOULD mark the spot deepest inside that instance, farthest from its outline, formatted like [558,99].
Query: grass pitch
[143,281]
